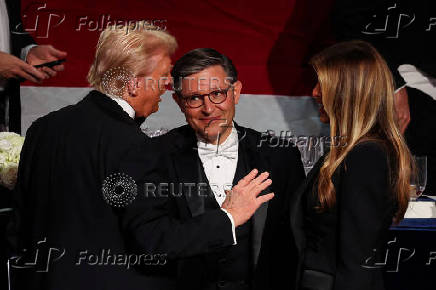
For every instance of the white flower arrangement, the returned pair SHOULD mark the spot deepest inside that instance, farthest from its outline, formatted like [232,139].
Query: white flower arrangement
[10,149]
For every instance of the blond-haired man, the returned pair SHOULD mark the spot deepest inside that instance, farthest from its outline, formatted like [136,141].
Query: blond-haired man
[70,231]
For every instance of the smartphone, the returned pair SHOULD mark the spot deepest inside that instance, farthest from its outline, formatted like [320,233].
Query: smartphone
[51,63]
[47,64]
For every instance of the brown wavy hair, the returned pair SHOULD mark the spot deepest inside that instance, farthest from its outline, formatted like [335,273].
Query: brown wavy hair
[358,95]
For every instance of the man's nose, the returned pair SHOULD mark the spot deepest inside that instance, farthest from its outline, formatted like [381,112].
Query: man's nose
[208,106]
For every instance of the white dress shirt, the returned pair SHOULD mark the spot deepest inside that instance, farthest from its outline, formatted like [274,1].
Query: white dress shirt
[5,38]
[124,105]
[5,41]
[219,163]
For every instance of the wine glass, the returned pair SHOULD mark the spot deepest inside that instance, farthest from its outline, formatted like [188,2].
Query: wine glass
[310,153]
[154,132]
[419,180]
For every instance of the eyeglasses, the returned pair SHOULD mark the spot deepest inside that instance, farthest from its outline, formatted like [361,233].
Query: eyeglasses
[216,97]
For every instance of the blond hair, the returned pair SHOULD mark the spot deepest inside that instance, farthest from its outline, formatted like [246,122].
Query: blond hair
[358,96]
[130,50]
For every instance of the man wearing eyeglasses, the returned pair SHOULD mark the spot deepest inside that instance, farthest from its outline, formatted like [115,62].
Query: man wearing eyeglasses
[214,151]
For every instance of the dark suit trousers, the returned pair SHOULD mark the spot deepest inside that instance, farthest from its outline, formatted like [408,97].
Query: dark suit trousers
[10,107]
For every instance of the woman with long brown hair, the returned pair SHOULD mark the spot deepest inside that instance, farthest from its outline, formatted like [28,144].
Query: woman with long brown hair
[343,211]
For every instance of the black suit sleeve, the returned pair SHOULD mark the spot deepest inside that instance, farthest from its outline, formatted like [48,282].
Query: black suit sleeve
[23,202]
[19,37]
[152,220]
[364,213]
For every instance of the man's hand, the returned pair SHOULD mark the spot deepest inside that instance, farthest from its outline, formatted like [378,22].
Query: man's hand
[402,109]
[13,67]
[45,53]
[243,200]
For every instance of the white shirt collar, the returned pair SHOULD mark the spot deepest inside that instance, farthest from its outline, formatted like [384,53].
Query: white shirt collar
[124,105]
[229,147]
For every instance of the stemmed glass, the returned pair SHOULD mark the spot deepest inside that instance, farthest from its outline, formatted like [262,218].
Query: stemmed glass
[310,153]
[419,180]
[154,132]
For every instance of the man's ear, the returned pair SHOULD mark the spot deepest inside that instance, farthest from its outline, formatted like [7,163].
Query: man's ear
[179,102]
[132,87]
[237,87]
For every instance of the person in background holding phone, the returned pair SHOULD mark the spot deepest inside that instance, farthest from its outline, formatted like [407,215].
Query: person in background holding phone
[18,55]
[349,200]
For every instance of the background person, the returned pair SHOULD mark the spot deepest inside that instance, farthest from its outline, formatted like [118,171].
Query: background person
[353,194]
[18,55]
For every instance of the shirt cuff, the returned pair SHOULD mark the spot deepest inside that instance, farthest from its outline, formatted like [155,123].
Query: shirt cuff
[233,225]
[25,51]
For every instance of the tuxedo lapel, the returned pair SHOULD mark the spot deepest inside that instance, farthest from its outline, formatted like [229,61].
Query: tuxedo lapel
[296,210]
[187,166]
[297,214]
[253,159]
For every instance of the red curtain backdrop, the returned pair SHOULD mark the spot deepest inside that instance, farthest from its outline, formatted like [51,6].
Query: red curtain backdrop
[270,42]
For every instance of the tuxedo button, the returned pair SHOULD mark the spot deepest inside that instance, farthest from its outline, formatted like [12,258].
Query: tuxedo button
[216,244]
[221,284]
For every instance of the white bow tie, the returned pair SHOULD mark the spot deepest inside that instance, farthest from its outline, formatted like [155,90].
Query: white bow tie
[211,150]
[228,149]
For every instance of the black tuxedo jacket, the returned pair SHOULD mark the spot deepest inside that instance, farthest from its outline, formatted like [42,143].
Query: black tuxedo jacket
[58,200]
[362,216]
[178,224]
[19,39]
